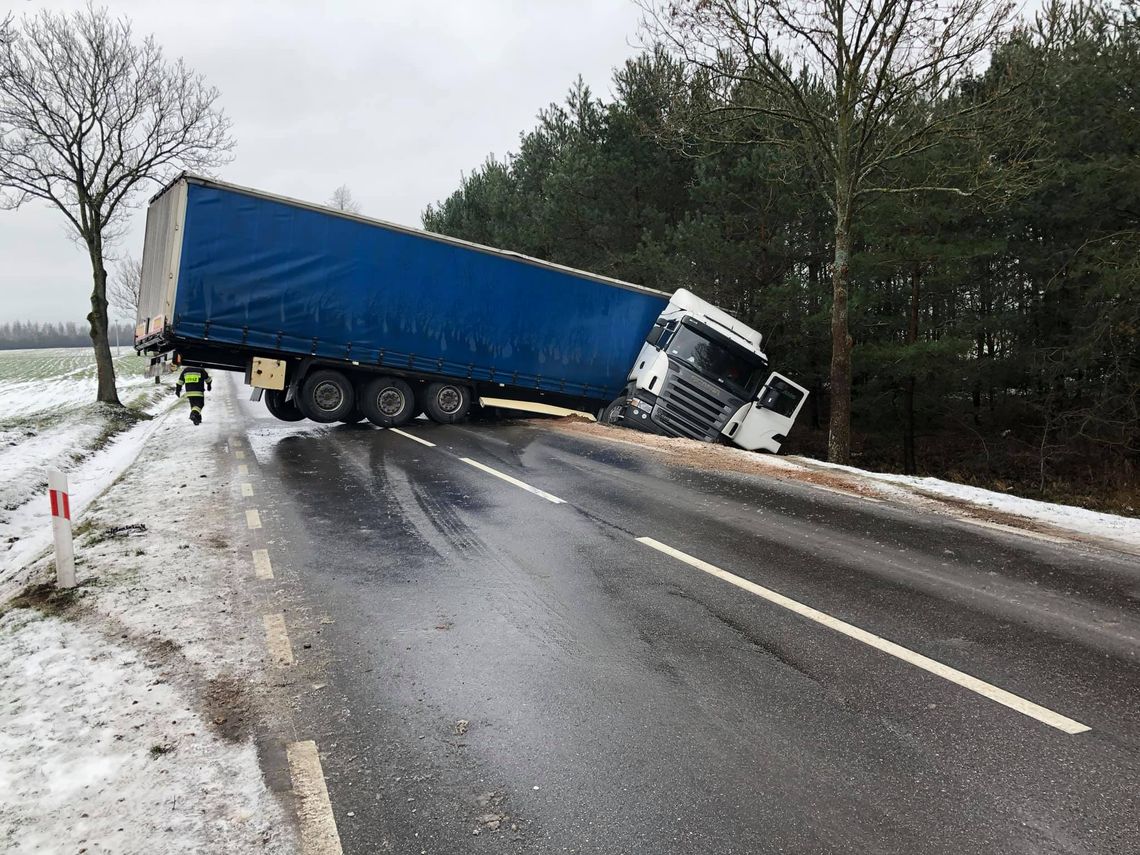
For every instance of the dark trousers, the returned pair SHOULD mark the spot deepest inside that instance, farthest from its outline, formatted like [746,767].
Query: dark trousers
[197,402]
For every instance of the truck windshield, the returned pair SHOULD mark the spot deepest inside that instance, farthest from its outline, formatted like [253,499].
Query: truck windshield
[717,362]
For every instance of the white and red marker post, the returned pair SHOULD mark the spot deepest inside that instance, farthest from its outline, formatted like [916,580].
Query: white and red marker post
[61,528]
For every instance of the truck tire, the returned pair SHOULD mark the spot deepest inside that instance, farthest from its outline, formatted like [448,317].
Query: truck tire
[279,408]
[611,415]
[326,396]
[446,403]
[388,402]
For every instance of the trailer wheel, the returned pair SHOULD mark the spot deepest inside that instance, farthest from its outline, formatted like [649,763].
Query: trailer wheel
[446,402]
[388,402]
[279,408]
[326,396]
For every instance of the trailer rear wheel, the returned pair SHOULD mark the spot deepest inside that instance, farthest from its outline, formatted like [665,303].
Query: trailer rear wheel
[446,403]
[326,396]
[388,402]
[279,408]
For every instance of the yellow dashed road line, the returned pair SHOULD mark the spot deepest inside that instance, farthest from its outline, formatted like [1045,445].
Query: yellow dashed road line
[314,811]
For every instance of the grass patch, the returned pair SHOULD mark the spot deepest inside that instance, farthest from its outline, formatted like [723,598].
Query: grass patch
[159,749]
[115,421]
[95,533]
[46,599]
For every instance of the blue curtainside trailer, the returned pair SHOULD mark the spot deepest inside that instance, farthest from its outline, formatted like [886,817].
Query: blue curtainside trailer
[336,317]
[229,273]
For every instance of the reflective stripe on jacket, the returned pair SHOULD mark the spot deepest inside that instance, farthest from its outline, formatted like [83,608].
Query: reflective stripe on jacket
[194,379]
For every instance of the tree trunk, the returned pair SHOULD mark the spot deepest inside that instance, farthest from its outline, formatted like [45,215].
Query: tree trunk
[104,366]
[839,427]
[910,465]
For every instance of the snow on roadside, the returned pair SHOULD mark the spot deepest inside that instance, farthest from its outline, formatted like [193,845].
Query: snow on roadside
[158,669]
[46,422]
[99,754]
[1069,517]
[27,532]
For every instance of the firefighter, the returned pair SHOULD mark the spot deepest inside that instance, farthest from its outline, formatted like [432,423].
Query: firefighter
[196,381]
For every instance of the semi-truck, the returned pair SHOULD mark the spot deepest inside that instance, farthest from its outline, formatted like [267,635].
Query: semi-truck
[333,317]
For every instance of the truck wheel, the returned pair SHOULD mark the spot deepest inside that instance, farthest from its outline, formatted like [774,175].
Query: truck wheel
[279,408]
[388,402]
[326,396]
[612,414]
[446,403]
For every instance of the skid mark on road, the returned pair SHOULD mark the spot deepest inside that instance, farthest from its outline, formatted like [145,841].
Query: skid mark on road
[986,690]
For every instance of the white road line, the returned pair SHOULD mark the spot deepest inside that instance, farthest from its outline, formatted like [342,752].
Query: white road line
[277,639]
[415,438]
[253,518]
[243,469]
[247,489]
[514,481]
[981,687]
[314,810]
[262,569]
[240,455]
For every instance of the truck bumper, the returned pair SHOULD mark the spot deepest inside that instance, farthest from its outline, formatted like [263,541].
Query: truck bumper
[638,413]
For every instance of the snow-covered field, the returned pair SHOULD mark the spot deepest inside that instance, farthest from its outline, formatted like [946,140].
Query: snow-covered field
[48,419]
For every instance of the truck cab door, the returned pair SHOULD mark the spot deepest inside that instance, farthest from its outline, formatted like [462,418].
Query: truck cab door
[763,425]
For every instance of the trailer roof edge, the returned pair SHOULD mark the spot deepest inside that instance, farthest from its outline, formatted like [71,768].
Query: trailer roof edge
[478,247]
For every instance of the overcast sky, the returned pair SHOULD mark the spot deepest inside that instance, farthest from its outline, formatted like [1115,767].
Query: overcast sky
[393,98]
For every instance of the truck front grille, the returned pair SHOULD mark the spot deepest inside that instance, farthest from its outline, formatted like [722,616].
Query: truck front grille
[692,407]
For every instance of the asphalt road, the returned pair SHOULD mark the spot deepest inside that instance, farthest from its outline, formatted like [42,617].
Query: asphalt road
[485,669]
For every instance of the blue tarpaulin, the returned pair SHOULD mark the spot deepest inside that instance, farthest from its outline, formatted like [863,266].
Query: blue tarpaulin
[282,277]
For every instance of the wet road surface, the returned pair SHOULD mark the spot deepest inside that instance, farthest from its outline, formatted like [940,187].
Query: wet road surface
[495,665]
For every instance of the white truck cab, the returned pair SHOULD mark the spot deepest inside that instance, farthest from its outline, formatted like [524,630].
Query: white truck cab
[702,374]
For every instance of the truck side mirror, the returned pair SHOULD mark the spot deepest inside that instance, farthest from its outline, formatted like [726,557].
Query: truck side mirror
[655,334]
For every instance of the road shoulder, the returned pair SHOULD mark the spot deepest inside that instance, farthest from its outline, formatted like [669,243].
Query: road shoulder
[987,510]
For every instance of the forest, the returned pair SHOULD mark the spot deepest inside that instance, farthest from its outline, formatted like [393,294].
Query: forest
[17,335]
[993,324]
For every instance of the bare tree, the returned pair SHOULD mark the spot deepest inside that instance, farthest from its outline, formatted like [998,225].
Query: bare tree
[864,87]
[342,200]
[125,286]
[88,118]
